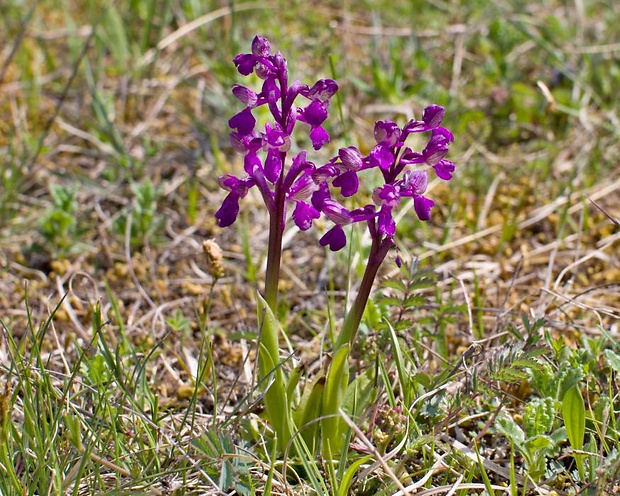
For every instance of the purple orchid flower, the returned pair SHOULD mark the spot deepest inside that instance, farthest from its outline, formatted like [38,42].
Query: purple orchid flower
[308,188]
[394,159]
[265,152]
[310,192]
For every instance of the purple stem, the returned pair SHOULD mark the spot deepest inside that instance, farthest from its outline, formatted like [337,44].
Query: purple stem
[274,250]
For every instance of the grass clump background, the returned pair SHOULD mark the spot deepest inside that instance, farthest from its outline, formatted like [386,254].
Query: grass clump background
[488,363]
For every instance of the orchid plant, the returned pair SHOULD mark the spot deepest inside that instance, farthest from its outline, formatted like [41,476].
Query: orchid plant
[312,191]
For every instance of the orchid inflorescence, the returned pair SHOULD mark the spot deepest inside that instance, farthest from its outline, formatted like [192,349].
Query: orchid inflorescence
[310,189]
[304,184]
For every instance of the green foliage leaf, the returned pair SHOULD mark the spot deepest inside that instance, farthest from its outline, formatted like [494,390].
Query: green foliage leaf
[269,369]
[414,300]
[569,377]
[538,417]
[538,444]
[574,414]
[116,36]
[507,426]
[390,301]
[337,381]
[613,359]
[396,284]
[309,410]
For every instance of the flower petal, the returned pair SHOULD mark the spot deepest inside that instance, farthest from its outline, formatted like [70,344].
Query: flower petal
[260,46]
[302,188]
[414,183]
[444,169]
[227,213]
[273,165]
[235,185]
[335,238]
[348,183]
[415,127]
[336,212]
[322,90]
[387,132]
[243,122]
[436,149]
[446,133]
[351,157]
[319,137]
[304,214]
[422,206]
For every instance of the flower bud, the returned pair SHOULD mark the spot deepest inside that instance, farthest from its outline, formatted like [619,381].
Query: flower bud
[351,158]
[260,46]
[214,258]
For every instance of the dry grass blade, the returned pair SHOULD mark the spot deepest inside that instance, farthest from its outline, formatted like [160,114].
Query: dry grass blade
[613,220]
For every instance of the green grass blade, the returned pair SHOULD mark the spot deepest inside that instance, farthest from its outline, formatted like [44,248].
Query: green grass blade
[347,478]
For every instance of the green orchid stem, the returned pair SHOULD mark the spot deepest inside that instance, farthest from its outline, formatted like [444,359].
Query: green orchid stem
[332,427]
[378,251]
[276,399]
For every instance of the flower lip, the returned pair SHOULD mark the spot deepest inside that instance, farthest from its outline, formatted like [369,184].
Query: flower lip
[334,238]
[444,169]
[276,138]
[304,214]
[347,182]
[382,156]
[319,136]
[227,213]
[243,122]
[422,206]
